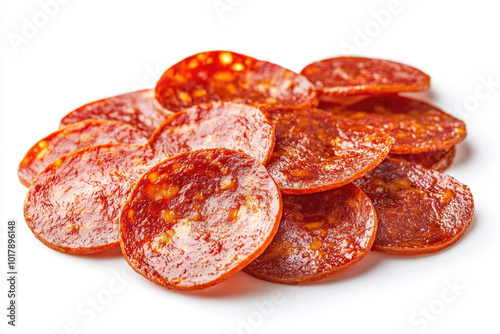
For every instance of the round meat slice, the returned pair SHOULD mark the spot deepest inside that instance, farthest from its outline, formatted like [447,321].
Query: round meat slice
[74,137]
[138,109]
[416,126]
[319,235]
[437,160]
[349,76]
[217,125]
[199,217]
[73,205]
[316,151]
[229,76]
[339,103]
[419,210]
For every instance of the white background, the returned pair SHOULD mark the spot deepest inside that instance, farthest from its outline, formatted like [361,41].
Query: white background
[92,49]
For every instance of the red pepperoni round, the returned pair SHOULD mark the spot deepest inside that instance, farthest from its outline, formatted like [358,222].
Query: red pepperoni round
[338,103]
[319,235]
[138,109]
[73,205]
[415,126]
[348,76]
[437,160]
[74,137]
[316,151]
[197,218]
[229,76]
[225,125]
[419,210]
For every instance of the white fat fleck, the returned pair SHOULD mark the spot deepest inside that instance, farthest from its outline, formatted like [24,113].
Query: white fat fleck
[242,211]
[274,91]
[158,242]
[210,139]
[349,255]
[182,228]
[183,128]
[247,180]
[253,208]
[332,167]
[227,183]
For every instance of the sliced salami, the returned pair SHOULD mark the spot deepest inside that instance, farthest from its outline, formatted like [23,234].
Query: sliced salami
[415,126]
[437,160]
[229,76]
[198,217]
[349,76]
[319,235]
[317,151]
[138,109]
[72,138]
[220,124]
[73,205]
[419,210]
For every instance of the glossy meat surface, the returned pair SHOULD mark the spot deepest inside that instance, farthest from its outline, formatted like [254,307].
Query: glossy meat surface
[217,125]
[437,160]
[316,151]
[319,235]
[229,76]
[73,204]
[138,109]
[349,76]
[415,126]
[199,217]
[419,210]
[74,137]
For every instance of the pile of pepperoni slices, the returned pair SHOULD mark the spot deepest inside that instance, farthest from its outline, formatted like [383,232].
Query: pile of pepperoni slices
[233,163]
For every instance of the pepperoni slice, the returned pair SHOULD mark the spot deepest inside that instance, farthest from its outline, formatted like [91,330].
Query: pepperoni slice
[73,205]
[197,218]
[419,210]
[319,235]
[339,103]
[316,151]
[416,126]
[212,125]
[229,76]
[74,137]
[349,76]
[138,109]
[437,160]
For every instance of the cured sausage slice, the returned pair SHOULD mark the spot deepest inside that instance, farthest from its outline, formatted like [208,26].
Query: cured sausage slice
[348,76]
[138,109]
[317,151]
[73,205]
[74,137]
[319,235]
[198,217]
[339,103]
[419,210]
[416,126]
[229,76]
[437,160]
[229,125]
